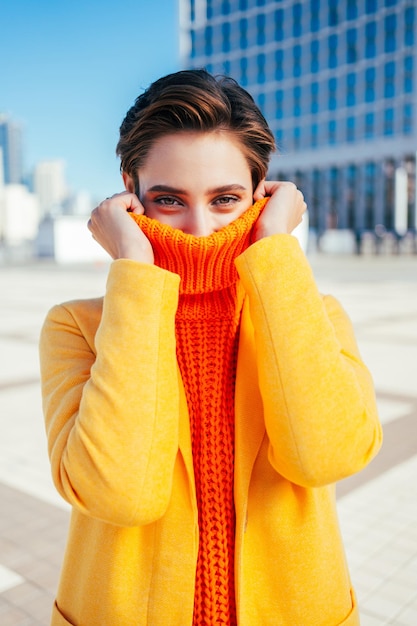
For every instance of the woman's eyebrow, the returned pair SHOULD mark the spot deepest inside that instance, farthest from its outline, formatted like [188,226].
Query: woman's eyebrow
[166,189]
[225,188]
[221,189]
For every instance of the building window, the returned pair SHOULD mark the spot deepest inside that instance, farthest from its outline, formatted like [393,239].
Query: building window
[351,89]
[334,197]
[390,25]
[278,24]
[369,125]
[369,195]
[243,71]
[192,41]
[351,178]
[243,5]
[314,15]
[351,52]
[279,69]
[350,129]
[332,84]
[370,39]
[351,10]
[279,137]
[261,68]
[389,192]
[261,102]
[297,100]
[389,121]
[333,19]
[209,9]
[260,29]
[208,41]
[408,74]
[408,118]
[296,137]
[226,37]
[409,26]
[332,48]
[314,97]
[270,105]
[316,199]
[225,10]
[279,100]
[314,56]
[389,79]
[371,6]
[314,135]
[243,33]
[370,84]
[331,130]
[296,66]
[270,66]
[297,14]
[252,69]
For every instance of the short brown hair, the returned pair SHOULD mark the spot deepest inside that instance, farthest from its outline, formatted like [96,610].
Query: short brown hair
[194,100]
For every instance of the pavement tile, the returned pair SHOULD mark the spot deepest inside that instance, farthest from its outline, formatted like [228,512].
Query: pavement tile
[408,615]
[8,578]
[28,550]
[21,594]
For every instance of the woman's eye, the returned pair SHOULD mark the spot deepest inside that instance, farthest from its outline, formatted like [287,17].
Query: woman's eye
[225,200]
[167,201]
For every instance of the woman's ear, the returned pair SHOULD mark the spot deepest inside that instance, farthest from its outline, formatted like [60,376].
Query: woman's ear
[128,182]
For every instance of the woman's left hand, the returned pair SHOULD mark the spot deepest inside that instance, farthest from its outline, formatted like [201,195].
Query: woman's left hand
[283,212]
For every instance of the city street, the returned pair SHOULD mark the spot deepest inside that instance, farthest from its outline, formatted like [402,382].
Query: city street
[378,507]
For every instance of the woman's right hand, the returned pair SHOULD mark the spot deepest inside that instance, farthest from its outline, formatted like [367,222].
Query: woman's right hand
[116,232]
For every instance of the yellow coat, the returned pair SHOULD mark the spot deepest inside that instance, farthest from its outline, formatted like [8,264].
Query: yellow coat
[120,448]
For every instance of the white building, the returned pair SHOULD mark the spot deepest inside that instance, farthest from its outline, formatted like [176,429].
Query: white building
[50,186]
[19,215]
[66,239]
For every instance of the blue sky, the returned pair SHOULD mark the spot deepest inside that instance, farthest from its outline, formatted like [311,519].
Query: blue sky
[70,69]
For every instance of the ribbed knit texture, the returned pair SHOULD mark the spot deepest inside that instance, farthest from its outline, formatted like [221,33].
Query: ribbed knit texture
[207,325]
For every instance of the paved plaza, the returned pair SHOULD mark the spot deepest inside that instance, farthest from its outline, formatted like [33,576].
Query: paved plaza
[378,507]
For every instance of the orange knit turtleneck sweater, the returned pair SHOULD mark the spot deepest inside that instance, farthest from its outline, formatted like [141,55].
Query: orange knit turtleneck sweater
[207,324]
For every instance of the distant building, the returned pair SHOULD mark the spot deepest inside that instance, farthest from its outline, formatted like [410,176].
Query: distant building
[337,81]
[50,186]
[11,145]
[66,239]
[78,203]
[19,215]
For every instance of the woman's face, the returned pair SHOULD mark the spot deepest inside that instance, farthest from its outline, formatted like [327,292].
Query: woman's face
[195,182]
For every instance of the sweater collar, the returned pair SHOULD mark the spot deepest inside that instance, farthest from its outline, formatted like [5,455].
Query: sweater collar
[204,264]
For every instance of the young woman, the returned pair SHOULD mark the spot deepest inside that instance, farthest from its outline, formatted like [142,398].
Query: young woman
[199,415]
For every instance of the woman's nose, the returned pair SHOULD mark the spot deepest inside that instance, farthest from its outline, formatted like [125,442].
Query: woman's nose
[199,222]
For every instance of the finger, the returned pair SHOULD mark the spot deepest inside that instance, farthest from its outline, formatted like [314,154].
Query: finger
[259,192]
[129,202]
[136,206]
[271,186]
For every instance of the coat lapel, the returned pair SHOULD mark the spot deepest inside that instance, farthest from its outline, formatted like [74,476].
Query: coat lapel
[249,423]
[184,436]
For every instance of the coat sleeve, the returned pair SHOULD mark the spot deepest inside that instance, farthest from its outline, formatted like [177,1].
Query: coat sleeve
[111,400]
[318,397]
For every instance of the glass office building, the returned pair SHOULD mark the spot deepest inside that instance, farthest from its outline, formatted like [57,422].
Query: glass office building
[336,80]
[11,147]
